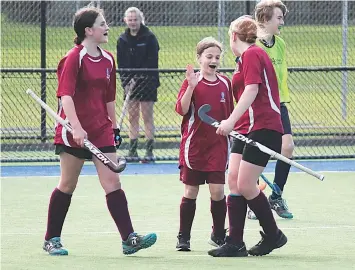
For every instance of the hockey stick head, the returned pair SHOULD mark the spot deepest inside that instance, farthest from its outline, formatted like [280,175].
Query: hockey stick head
[121,164]
[204,109]
[274,187]
[117,168]
[202,113]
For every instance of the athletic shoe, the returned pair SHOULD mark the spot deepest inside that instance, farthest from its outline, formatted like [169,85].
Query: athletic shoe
[268,244]
[251,215]
[54,247]
[183,243]
[229,249]
[217,241]
[137,242]
[132,153]
[280,207]
[149,156]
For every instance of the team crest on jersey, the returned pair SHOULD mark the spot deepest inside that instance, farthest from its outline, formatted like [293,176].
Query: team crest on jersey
[222,97]
[108,74]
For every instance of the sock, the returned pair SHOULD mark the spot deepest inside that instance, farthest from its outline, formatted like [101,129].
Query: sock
[117,205]
[261,208]
[237,210]
[187,214]
[219,211]
[58,208]
[235,195]
[282,170]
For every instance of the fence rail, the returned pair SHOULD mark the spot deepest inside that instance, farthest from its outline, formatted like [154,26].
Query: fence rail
[319,128]
[320,38]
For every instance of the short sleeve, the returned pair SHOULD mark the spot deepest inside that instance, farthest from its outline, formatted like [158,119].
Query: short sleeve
[111,91]
[67,73]
[252,68]
[231,102]
[182,91]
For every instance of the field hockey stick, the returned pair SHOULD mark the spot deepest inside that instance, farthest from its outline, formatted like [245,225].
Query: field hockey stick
[274,188]
[202,113]
[117,168]
[128,90]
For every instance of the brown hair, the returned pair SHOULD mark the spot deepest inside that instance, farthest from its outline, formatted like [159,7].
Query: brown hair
[84,17]
[265,9]
[245,28]
[206,43]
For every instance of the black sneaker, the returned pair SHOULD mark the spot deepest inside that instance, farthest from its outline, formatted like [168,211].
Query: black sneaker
[149,156]
[229,249]
[280,207]
[132,155]
[217,241]
[183,243]
[268,244]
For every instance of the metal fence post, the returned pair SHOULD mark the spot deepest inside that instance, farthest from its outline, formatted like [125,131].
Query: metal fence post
[43,69]
[344,88]
[247,7]
[221,24]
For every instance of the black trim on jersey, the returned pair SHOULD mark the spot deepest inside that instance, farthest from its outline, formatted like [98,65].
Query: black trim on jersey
[268,45]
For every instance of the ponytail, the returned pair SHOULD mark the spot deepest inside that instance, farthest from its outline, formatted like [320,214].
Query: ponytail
[78,40]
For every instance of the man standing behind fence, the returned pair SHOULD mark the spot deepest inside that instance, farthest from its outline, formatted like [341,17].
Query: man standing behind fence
[138,47]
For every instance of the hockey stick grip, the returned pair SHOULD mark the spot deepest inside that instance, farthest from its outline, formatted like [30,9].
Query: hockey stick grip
[299,166]
[49,110]
[278,156]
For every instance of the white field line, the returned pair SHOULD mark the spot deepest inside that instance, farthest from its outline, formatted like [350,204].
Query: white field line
[140,175]
[342,227]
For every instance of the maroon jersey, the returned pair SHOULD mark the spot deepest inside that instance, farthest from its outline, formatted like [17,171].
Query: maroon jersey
[91,82]
[201,148]
[255,67]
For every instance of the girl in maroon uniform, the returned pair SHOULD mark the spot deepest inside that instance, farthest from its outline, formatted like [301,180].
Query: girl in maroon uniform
[86,97]
[203,153]
[257,116]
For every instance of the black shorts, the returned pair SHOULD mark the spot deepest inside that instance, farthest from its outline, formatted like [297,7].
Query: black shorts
[285,119]
[81,153]
[269,138]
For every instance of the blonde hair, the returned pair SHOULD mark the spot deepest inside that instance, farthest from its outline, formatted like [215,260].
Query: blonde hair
[265,9]
[206,43]
[245,28]
[137,11]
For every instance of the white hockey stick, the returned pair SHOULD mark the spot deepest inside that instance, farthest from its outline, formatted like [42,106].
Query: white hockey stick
[117,168]
[202,113]
[128,90]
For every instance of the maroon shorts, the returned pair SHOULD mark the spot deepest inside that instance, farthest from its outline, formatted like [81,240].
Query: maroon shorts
[196,178]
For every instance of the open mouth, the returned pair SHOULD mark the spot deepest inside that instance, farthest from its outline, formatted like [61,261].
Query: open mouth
[212,66]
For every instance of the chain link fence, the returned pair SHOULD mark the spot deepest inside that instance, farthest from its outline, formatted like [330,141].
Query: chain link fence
[321,54]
